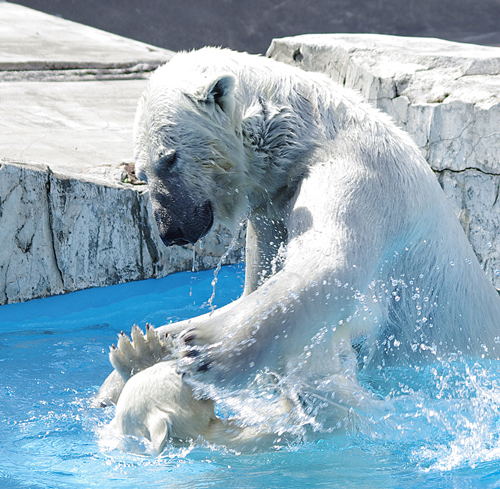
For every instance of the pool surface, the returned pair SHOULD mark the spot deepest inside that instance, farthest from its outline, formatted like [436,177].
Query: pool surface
[441,428]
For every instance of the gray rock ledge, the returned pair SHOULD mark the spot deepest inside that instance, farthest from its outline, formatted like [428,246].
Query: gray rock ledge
[62,233]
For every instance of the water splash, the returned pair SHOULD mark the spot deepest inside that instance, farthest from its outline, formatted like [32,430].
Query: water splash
[470,417]
[444,417]
[230,248]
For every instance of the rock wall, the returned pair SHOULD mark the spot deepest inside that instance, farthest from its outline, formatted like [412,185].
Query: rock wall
[61,234]
[445,94]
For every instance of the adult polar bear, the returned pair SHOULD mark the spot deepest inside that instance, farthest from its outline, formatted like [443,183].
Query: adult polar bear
[352,248]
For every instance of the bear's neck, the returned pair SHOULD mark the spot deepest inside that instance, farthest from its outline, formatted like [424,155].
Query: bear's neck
[277,144]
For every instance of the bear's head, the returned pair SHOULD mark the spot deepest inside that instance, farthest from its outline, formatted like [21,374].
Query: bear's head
[188,148]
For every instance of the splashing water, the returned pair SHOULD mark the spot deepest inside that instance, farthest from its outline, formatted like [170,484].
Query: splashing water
[230,248]
[436,426]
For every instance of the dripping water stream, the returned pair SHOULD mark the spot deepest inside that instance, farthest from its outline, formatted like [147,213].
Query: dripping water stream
[230,248]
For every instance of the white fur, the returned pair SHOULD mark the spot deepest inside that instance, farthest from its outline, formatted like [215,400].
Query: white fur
[351,241]
[157,405]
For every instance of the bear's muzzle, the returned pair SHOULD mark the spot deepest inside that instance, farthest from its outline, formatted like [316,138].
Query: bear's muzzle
[179,218]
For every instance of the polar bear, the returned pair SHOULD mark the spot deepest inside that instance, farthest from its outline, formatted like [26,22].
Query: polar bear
[353,253]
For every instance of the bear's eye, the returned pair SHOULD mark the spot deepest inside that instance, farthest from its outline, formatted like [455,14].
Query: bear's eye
[167,160]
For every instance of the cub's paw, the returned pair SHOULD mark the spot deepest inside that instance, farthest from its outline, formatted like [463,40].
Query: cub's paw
[129,357]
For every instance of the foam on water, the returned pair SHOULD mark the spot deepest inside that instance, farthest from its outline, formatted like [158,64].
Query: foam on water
[438,425]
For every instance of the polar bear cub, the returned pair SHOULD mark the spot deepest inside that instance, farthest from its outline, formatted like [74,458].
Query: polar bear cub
[158,405]
[154,402]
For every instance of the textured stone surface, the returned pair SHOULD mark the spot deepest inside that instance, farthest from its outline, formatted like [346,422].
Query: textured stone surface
[32,40]
[60,234]
[445,94]
[72,126]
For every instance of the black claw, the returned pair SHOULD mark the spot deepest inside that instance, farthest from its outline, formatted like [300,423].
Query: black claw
[147,326]
[113,347]
[203,367]
[192,353]
[189,338]
[103,405]
[122,333]
[302,400]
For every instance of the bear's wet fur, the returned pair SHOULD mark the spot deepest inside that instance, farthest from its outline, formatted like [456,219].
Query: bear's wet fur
[350,238]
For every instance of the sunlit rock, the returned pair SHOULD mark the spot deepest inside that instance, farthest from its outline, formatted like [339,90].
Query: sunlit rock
[61,233]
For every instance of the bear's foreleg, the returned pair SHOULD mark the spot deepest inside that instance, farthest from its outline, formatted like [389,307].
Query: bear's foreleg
[269,328]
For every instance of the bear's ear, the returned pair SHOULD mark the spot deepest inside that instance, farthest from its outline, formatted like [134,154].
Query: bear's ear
[221,93]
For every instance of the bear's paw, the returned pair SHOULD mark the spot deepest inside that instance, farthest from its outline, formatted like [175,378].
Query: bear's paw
[225,359]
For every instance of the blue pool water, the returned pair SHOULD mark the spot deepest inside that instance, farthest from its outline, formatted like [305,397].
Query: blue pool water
[441,428]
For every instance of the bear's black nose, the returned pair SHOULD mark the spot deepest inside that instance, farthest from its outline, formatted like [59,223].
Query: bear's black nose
[192,226]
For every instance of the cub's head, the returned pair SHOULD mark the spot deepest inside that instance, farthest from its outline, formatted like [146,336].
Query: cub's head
[188,148]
